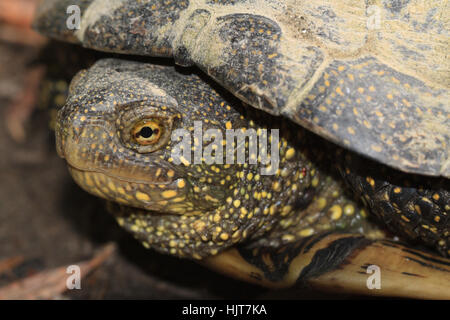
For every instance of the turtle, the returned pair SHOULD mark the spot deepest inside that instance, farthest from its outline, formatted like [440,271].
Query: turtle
[360,106]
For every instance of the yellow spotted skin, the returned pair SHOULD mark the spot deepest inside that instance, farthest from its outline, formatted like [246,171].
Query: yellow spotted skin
[414,207]
[371,76]
[198,210]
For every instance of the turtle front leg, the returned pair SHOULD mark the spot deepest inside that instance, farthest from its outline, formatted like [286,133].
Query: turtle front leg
[415,207]
[348,263]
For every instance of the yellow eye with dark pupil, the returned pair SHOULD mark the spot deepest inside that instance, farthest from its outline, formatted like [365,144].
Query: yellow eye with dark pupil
[147,133]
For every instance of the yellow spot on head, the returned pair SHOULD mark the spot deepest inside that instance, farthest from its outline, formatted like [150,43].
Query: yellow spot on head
[370,181]
[290,153]
[339,91]
[172,243]
[181,183]
[286,210]
[321,203]
[276,186]
[417,209]
[306,232]
[199,226]
[169,194]
[376,148]
[183,160]
[209,198]
[273,209]
[349,210]
[224,236]
[336,212]
[288,237]
[142,196]
[367,124]
[111,186]
[363,213]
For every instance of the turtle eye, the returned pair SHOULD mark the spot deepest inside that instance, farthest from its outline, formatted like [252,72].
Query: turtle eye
[146,132]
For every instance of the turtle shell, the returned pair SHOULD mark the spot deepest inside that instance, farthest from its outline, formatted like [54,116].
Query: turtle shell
[372,78]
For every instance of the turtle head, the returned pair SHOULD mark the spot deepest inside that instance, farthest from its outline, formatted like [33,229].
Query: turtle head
[128,132]
[129,140]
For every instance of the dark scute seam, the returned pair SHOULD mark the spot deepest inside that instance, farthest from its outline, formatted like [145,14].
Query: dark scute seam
[427,258]
[412,274]
[427,265]
[332,257]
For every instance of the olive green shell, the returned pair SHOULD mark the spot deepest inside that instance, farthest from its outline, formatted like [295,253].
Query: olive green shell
[372,76]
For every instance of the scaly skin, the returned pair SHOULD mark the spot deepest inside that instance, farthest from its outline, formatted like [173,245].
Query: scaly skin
[198,210]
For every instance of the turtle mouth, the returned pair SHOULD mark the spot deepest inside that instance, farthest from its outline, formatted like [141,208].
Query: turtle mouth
[109,175]
[150,196]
